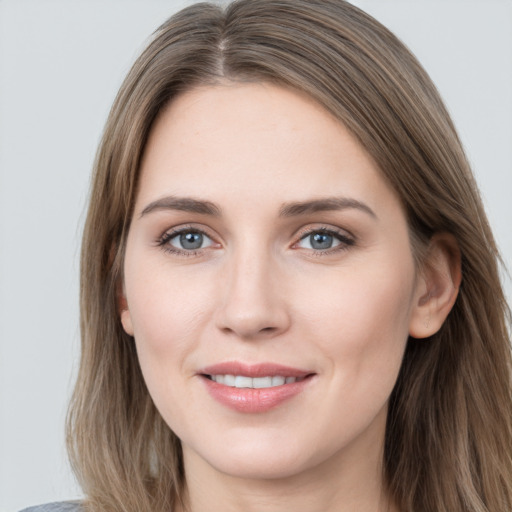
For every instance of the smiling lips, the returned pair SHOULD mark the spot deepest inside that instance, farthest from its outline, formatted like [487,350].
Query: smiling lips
[253,388]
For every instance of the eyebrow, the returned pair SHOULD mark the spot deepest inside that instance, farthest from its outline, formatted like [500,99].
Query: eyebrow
[294,209]
[324,205]
[184,204]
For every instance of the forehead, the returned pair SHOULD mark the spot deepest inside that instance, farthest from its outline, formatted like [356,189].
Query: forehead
[254,140]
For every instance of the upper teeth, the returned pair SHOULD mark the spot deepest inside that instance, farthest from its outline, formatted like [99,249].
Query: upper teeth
[240,381]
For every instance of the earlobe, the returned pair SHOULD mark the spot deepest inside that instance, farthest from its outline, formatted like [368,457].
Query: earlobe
[124,312]
[437,287]
[126,321]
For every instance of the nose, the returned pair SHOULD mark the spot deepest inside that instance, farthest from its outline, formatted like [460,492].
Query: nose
[253,304]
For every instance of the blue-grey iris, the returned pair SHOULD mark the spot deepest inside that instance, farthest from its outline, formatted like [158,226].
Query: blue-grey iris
[321,241]
[191,240]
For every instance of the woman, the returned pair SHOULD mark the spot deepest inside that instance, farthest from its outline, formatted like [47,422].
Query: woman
[290,292]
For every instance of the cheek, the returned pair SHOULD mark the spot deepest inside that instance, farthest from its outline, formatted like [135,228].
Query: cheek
[167,308]
[361,319]
[362,332]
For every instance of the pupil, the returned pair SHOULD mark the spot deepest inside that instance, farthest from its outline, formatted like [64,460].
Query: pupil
[191,240]
[321,241]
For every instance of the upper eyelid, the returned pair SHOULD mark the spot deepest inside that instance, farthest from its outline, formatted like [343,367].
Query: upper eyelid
[176,230]
[325,229]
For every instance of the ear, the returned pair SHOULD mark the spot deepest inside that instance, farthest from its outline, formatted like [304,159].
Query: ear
[124,312]
[437,286]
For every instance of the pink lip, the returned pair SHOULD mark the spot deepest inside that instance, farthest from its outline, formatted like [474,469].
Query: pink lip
[250,400]
[253,370]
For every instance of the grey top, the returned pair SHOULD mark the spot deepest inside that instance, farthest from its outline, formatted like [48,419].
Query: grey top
[62,506]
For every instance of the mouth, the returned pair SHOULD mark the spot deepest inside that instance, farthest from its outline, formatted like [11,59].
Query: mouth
[254,388]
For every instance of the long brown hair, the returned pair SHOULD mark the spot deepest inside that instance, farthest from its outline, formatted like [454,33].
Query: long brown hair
[448,445]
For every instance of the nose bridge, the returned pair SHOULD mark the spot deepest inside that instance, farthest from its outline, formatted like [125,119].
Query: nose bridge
[253,302]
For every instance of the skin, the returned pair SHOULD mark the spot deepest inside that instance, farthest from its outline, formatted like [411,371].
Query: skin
[258,291]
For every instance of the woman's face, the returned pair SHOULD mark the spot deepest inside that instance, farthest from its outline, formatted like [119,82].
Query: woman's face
[269,283]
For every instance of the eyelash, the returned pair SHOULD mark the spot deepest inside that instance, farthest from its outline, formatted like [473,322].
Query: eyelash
[163,241]
[345,241]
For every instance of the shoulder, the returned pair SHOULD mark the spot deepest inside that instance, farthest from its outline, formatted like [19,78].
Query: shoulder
[62,506]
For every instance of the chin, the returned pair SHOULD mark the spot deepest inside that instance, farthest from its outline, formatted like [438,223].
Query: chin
[278,467]
[261,458]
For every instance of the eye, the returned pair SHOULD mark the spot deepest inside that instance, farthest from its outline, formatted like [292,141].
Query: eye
[185,241]
[324,240]
[190,240]
[319,241]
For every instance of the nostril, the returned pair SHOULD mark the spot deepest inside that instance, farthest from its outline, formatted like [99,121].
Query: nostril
[250,319]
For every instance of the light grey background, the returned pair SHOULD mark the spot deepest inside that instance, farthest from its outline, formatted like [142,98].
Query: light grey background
[61,63]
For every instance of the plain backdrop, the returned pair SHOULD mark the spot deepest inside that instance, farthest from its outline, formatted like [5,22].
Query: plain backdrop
[61,63]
